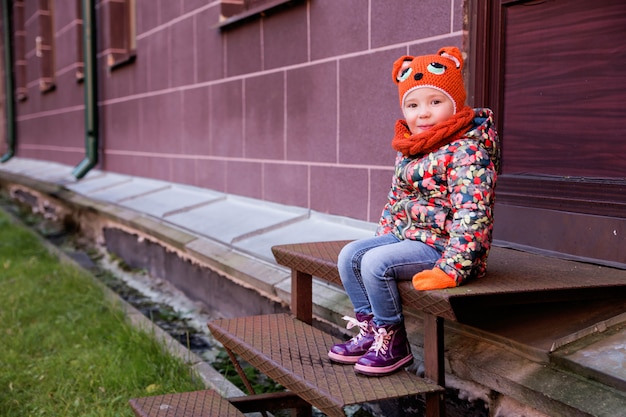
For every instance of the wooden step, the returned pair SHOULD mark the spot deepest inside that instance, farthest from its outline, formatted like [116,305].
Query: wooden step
[513,278]
[294,354]
[205,403]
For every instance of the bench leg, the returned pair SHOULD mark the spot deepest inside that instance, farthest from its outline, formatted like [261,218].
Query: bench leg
[302,412]
[302,309]
[434,367]
[270,401]
[242,375]
[298,409]
[302,296]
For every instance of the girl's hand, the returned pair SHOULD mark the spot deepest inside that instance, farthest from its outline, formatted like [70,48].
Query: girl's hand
[432,279]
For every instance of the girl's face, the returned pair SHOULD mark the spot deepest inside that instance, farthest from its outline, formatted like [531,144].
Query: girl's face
[425,107]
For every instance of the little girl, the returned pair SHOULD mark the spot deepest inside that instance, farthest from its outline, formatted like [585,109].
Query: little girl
[436,226]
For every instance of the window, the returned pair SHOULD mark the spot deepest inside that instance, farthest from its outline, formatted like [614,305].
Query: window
[80,60]
[19,39]
[44,46]
[233,11]
[121,48]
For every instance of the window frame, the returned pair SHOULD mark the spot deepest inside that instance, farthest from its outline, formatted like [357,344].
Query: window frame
[80,59]
[19,41]
[237,11]
[121,33]
[44,46]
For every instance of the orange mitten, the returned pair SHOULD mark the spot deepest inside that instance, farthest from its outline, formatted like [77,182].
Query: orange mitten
[432,279]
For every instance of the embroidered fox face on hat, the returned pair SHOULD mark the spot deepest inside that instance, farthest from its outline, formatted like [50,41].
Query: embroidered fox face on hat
[443,71]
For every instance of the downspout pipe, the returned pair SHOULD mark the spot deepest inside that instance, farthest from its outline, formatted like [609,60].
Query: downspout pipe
[9,80]
[91,90]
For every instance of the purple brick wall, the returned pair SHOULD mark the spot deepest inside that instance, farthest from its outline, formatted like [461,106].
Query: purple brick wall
[295,107]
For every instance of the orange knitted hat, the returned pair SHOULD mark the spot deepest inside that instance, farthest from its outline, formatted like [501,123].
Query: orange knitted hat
[443,71]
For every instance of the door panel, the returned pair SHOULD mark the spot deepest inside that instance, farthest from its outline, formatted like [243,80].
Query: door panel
[565,88]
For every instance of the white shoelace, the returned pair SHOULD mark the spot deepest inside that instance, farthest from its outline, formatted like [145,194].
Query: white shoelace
[352,322]
[381,340]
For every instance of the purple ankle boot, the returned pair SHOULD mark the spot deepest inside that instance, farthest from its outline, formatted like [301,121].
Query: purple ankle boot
[353,349]
[389,352]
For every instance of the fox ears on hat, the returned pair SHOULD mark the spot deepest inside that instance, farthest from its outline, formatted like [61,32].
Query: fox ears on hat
[400,73]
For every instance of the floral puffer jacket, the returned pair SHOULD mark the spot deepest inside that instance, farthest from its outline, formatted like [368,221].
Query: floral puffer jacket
[445,199]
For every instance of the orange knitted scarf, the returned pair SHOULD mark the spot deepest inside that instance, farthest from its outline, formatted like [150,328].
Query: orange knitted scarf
[441,134]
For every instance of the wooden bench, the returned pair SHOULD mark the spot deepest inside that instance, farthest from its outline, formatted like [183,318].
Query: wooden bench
[286,348]
[513,278]
[289,350]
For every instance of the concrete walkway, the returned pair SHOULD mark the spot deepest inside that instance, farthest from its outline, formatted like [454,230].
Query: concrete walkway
[236,234]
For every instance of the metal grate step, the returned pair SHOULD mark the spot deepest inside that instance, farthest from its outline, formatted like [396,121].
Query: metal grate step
[294,354]
[206,403]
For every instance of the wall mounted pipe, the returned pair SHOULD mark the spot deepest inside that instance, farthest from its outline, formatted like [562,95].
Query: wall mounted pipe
[9,80]
[91,89]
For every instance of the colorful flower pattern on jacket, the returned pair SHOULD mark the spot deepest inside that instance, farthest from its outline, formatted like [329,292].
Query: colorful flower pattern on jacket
[445,199]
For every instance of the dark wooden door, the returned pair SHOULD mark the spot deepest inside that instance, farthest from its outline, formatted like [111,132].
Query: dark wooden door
[565,88]
[555,73]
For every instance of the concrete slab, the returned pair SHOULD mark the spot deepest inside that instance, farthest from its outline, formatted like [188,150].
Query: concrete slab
[247,269]
[173,200]
[12,165]
[601,356]
[72,180]
[54,173]
[607,355]
[42,170]
[23,166]
[235,218]
[159,229]
[314,228]
[129,189]
[97,183]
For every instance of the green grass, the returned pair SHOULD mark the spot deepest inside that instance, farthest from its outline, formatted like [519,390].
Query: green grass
[65,350]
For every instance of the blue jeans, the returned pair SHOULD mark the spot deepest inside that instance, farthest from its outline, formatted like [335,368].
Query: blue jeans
[370,267]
